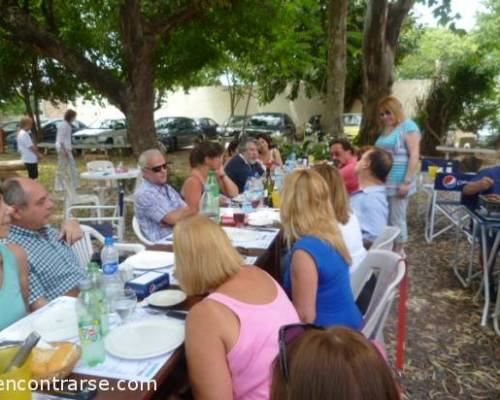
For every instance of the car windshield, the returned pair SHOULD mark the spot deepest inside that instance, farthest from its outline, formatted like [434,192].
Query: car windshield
[352,119]
[236,120]
[166,123]
[265,120]
[106,124]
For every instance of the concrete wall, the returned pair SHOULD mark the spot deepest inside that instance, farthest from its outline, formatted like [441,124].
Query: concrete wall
[213,102]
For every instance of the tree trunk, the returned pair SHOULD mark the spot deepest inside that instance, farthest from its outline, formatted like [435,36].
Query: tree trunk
[380,39]
[37,129]
[336,70]
[25,96]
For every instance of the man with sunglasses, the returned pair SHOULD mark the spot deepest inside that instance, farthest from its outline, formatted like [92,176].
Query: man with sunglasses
[157,205]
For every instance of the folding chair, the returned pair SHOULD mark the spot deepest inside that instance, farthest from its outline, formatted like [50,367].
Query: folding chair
[385,240]
[445,204]
[84,250]
[389,268]
[139,234]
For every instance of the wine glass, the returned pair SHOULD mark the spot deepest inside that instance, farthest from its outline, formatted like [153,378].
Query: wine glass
[124,304]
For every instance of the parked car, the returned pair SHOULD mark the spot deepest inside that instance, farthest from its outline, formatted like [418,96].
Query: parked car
[9,127]
[276,125]
[108,131]
[208,126]
[177,132]
[313,127]
[352,123]
[232,127]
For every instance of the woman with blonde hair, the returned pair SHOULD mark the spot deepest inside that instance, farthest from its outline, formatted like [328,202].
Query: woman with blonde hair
[317,269]
[400,137]
[335,363]
[347,222]
[231,335]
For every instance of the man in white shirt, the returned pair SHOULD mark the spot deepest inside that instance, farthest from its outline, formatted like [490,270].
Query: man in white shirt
[64,155]
[29,152]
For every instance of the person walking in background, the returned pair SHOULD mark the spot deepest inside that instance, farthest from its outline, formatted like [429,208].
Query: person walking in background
[344,156]
[400,137]
[335,363]
[65,157]
[30,154]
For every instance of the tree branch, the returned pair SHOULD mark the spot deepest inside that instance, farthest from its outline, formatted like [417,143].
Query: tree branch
[163,27]
[395,17]
[25,30]
[47,7]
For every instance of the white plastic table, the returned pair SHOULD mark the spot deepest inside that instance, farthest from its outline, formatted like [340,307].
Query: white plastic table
[464,150]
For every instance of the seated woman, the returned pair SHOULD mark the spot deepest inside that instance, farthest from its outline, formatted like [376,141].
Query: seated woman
[335,363]
[317,269]
[204,157]
[13,274]
[231,335]
[231,150]
[269,155]
[347,221]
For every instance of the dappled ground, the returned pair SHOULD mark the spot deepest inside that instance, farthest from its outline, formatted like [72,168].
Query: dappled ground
[448,354]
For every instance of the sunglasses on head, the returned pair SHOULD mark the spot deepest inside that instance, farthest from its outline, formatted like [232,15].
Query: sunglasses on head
[287,334]
[385,113]
[157,168]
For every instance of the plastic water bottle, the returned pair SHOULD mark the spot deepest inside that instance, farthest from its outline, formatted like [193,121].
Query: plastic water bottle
[95,277]
[210,199]
[90,325]
[112,283]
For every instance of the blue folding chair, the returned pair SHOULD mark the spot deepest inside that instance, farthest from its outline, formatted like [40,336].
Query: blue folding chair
[445,204]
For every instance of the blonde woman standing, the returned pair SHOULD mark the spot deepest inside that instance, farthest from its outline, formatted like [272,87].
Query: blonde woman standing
[317,270]
[231,335]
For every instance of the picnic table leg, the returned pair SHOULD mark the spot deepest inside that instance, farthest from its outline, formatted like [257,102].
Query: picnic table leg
[403,311]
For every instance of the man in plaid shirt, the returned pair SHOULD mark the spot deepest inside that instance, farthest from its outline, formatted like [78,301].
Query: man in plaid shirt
[53,268]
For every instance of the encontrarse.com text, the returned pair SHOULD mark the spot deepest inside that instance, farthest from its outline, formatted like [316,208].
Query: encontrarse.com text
[73,385]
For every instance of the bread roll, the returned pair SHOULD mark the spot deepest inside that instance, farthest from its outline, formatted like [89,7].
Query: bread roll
[48,362]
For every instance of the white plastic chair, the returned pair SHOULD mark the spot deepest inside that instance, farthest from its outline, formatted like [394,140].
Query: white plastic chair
[117,222]
[385,240]
[389,268]
[102,166]
[83,248]
[139,234]
[72,198]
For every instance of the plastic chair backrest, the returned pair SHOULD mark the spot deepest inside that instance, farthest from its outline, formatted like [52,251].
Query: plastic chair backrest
[389,268]
[385,240]
[138,232]
[100,166]
[453,182]
[83,249]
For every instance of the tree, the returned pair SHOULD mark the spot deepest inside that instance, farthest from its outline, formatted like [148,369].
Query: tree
[336,67]
[122,49]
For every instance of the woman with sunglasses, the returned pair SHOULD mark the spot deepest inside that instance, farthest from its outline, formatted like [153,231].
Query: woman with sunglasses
[400,137]
[13,274]
[335,363]
[205,157]
[231,335]
[317,268]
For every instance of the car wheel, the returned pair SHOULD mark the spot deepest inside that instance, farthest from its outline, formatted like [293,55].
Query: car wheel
[109,141]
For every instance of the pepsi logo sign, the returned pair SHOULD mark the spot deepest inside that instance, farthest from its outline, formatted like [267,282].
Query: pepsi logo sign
[449,182]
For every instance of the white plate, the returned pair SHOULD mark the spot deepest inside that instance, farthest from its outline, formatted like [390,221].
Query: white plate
[57,323]
[151,260]
[146,338]
[241,235]
[166,298]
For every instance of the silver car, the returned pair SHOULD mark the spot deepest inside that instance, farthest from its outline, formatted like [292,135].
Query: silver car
[107,131]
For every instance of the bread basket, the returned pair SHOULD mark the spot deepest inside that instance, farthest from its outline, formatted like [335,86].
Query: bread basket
[55,363]
[491,204]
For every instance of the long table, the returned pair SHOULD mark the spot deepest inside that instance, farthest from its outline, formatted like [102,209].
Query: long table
[172,376]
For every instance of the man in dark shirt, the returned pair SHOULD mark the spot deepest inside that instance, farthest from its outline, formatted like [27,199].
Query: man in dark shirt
[245,164]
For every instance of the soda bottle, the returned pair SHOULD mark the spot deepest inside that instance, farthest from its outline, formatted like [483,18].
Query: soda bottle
[95,276]
[89,325]
[112,283]
[210,199]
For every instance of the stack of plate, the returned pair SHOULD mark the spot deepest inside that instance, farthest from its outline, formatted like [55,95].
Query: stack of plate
[149,260]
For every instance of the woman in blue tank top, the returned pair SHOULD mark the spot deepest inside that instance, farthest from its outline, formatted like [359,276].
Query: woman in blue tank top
[13,274]
[317,269]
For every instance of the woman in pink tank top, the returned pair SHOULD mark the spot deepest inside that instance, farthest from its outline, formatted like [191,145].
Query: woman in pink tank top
[232,335]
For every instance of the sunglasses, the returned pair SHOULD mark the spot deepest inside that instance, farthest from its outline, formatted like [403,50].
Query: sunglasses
[157,168]
[386,113]
[287,334]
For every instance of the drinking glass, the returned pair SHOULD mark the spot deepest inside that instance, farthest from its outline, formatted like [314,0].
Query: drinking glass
[15,382]
[124,304]
[239,217]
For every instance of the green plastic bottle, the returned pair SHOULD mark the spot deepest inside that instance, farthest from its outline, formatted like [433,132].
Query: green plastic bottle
[210,200]
[89,325]
[95,276]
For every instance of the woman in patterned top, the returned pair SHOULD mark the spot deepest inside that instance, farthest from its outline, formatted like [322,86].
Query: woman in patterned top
[400,137]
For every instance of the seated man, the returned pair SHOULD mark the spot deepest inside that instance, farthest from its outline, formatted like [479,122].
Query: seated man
[370,204]
[245,164]
[157,205]
[345,159]
[53,268]
[487,181]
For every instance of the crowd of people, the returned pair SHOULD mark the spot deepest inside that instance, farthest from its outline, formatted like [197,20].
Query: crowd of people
[251,337]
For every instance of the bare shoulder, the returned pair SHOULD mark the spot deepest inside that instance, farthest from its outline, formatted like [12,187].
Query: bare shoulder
[18,251]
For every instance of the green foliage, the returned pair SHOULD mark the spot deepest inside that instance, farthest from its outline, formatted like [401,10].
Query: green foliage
[320,150]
